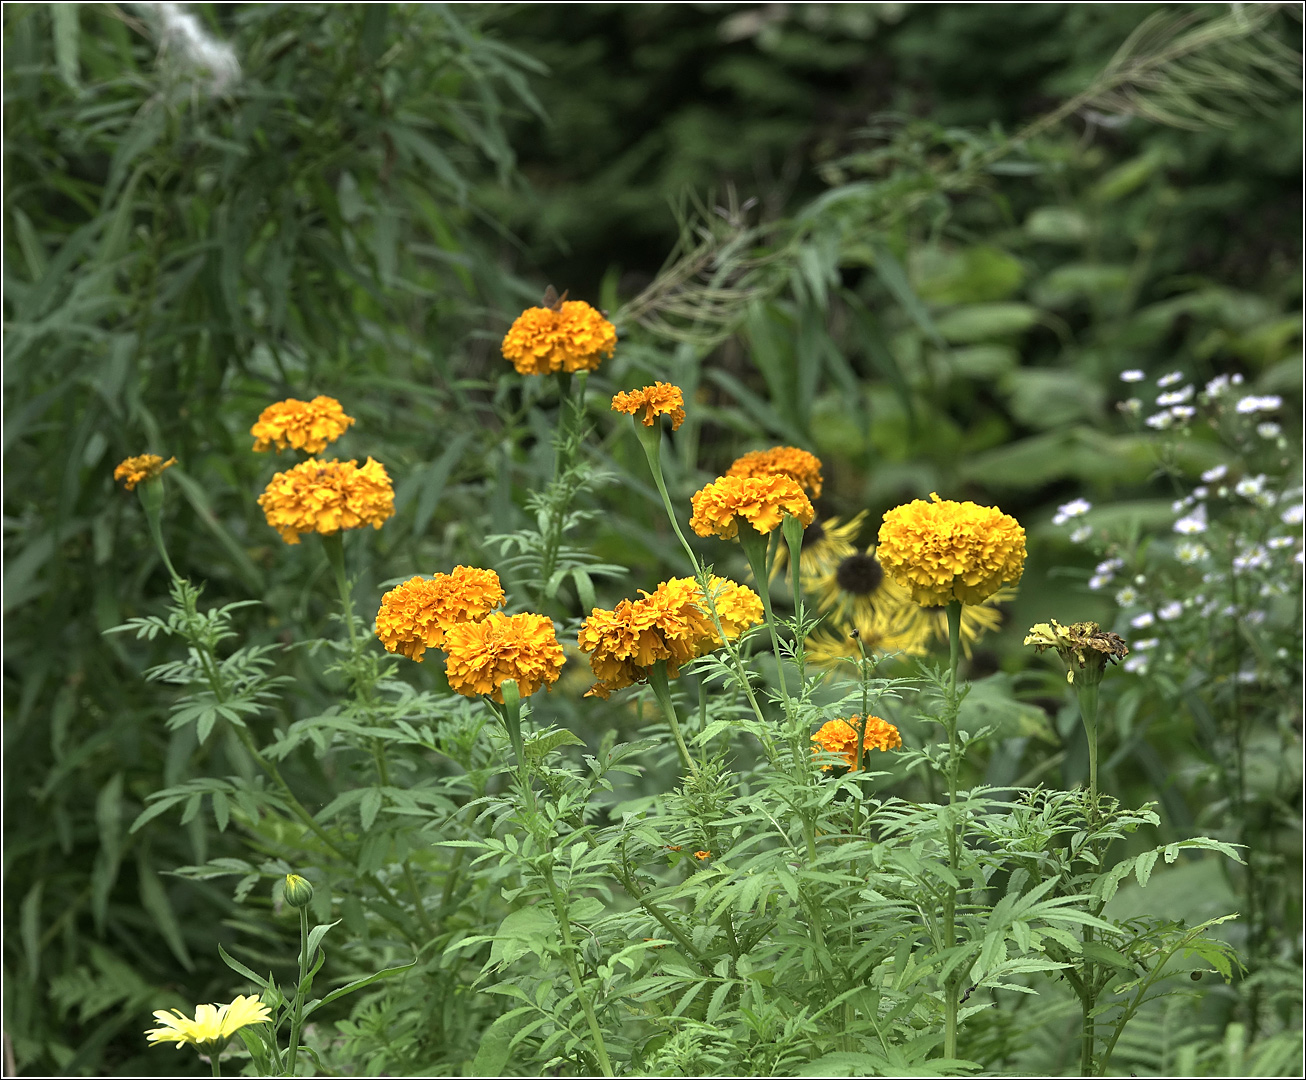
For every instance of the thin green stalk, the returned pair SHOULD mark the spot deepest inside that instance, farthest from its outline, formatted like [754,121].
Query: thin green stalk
[297,1017]
[569,951]
[754,546]
[1087,692]
[657,679]
[953,984]
[335,551]
[213,1062]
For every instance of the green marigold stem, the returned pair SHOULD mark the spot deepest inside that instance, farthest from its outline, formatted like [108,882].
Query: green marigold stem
[335,552]
[569,950]
[657,679]
[754,545]
[298,1007]
[213,1062]
[650,438]
[953,985]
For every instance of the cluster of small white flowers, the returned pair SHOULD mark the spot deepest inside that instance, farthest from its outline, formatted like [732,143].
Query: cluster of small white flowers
[1190,551]
[1171,611]
[1221,383]
[1132,375]
[1143,621]
[1104,573]
[1253,404]
[1175,397]
[1170,380]
[1194,523]
[1216,473]
[1252,558]
[1253,488]
[1073,509]
[1269,430]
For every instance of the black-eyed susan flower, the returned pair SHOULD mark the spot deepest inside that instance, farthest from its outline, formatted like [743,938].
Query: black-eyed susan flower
[327,496]
[759,501]
[944,550]
[566,335]
[212,1026]
[840,737]
[142,467]
[302,425]
[414,616]
[790,461]
[482,656]
[660,399]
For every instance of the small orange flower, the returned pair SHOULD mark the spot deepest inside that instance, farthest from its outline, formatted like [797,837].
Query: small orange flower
[415,615]
[701,855]
[304,425]
[142,467]
[660,399]
[761,501]
[672,847]
[483,655]
[787,461]
[840,737]
[568,336]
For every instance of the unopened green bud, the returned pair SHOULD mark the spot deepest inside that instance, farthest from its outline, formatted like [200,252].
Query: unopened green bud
[299,891]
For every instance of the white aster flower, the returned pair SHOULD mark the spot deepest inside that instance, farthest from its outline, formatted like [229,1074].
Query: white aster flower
[1143,621]
[1127,597]
[1216,473]
[1194,523]
[1170,380]
[1175,397]
[1171,611]
[1136,664]
[1146,643]
[1292,516]
[1160,421]
[1190,551]
[1074,508]
[1254,404]
[1277,542]
[1268,430]
[1132,375]
[1081,534]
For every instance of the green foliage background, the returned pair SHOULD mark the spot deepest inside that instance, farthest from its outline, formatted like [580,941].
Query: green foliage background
[386,186]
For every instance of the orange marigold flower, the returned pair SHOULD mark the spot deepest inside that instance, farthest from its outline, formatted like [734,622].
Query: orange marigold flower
[787,461]
[304,425]
[671,624]
[142,467]
[569,336]
[327,496]
[415,615]
[945,550]
[660,399]
[840,737]
[482,655]
[762,501]
[701,855]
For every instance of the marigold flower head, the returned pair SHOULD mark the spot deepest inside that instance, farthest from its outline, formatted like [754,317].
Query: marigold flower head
[945,550]
[415,615]
[304,425]
[142,467]
[327,496]
[212,1026]
[660,399]
[761,501]
[787,461]
[567,336]
[840,737]
[481,656]
[671,624]
[1083,644]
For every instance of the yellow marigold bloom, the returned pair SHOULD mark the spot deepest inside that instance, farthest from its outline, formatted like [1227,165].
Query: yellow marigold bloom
[945,550]
[304,425]
[672,623]
[212,1026]
[787,461]
[482,655]
[761,501]
[660,399]
[568,336]
[1082,644]
[142,467]
[327,496]
[415,615]
[840,737]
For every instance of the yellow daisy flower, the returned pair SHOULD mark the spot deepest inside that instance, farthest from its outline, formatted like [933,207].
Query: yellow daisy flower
[212,1026]
[304,425]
